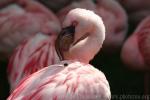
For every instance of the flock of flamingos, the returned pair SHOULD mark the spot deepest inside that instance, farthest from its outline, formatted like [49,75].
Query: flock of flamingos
[50,43]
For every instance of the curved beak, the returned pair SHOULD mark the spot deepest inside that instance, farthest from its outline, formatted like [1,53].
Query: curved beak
[64,40]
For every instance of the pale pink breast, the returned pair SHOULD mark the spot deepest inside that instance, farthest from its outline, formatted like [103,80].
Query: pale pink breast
[75,81]
[33,54]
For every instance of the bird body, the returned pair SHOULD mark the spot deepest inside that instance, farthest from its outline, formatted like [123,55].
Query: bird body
[74,81]
[70,79]
[33,54]
[136,51]
[137,47]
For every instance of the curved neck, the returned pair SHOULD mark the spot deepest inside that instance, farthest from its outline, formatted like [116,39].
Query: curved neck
[86,49]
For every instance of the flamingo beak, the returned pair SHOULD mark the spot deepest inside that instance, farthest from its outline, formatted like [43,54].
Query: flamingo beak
[66,37]
[64,40]
[70,30]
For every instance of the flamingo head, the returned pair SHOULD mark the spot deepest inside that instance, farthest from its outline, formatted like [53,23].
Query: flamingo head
[82,36]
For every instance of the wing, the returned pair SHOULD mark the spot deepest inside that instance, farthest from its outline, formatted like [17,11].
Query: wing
[33,54]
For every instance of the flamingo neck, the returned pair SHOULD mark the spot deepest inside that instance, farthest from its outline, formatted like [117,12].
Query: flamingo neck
[86,49]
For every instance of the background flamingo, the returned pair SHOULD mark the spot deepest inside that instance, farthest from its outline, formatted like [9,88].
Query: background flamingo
[33,54]
[21,20]
[137,9]
[111,12]
[76,80]
[136,50]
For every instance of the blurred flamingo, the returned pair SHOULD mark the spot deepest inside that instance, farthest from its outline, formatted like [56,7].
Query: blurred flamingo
[39,21]
[137,9]
[136,50]
[113,15]
[74,78]
[22,19]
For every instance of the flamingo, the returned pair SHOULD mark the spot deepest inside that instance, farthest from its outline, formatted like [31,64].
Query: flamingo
[73,78]
[21,20]
[111,12]
[31,56]
[136,50]
[45,23]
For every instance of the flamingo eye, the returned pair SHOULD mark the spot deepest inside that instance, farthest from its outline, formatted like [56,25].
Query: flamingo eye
[65,64]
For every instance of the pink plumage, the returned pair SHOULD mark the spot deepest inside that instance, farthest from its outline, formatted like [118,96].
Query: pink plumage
[35,19]
[68,80]
[21,20]
[32,55]
[40,50]
[136,50]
